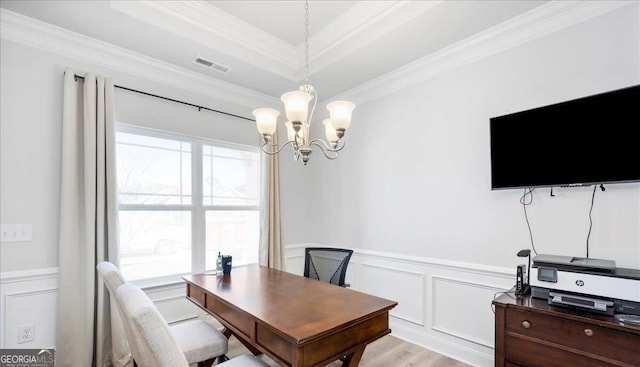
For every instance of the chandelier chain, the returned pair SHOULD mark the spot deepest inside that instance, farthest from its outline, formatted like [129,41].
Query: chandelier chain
[306,42]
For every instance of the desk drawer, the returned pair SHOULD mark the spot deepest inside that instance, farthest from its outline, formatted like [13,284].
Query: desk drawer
[586,337]
[196,295]
[239,320]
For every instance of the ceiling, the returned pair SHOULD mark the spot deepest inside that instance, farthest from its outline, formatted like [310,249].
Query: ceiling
[262,42]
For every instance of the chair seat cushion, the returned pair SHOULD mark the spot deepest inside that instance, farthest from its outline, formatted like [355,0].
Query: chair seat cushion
[245,360]
[199,340]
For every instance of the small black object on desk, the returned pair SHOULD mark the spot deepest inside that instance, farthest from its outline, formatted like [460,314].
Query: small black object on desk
[521,286]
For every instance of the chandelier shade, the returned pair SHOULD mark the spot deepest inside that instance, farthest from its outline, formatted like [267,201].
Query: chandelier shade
[266,120]
[330,132]
[299,115]
[296,105]
[340,113]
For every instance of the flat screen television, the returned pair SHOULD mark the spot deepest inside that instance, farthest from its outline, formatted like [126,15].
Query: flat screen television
[581,142]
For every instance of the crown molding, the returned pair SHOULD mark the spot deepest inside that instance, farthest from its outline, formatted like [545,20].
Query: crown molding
[207,25]
[364,23]
[200,22]
[538,22]
[47,37]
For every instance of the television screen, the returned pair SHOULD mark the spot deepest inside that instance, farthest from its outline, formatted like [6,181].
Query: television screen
[585,141]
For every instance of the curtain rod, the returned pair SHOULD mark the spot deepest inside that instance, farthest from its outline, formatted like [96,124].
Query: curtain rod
[76,76]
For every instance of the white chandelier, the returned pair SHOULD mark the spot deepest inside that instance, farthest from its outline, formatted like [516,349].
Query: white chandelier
[296,105]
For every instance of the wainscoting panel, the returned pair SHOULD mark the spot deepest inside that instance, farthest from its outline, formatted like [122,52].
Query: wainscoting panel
[295,263]
[172,303]
[405,287]
[472,319]
[28,298]
[294,259]
[37,308]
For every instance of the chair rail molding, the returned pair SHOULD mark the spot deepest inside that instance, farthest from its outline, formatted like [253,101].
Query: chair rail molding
[27,275]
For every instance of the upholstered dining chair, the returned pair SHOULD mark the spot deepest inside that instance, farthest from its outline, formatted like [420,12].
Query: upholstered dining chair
[199,341]
[327,264]
[151,337]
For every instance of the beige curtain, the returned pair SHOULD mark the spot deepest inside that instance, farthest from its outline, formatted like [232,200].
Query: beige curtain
[88,226]
[271,253]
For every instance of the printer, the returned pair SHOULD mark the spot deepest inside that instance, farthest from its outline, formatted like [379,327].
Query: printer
[585,283]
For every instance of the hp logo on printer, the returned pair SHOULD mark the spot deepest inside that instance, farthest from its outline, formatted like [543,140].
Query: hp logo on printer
[579,283]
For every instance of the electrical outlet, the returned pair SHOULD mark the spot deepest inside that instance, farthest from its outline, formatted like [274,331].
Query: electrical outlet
[26,333]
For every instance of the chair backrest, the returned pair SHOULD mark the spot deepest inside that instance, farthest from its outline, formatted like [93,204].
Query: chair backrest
[111,276]
[151,337]
[327,264]
[113,279]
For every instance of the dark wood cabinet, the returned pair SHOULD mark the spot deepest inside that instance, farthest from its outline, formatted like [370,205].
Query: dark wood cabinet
[532,333]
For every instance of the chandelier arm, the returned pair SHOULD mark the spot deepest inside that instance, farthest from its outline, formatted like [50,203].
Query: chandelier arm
[315,102]
[298,142]
[278,150]
[325,146]
[325,149]
[307,125]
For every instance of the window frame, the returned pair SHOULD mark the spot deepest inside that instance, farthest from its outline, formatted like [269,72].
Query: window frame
[197,208]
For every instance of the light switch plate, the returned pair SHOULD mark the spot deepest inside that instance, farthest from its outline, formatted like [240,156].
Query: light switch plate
[15,233]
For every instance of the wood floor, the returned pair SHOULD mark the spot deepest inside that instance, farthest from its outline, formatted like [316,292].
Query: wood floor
[385,352]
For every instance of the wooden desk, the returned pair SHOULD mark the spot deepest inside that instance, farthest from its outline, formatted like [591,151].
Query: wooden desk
[532,333]
[296,321]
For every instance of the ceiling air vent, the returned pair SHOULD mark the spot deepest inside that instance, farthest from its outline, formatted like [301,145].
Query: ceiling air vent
[211,65]
[220,68]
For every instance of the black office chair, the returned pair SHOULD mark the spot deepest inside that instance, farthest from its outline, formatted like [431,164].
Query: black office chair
[327,264]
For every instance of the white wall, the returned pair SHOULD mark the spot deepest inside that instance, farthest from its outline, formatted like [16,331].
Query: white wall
[414,178]
[31,114]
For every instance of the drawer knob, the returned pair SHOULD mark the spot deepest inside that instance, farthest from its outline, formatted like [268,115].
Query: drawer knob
[526,324]
[588,332]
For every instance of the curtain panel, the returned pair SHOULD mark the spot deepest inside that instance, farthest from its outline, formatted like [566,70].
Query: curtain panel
[86,334]
[271,253]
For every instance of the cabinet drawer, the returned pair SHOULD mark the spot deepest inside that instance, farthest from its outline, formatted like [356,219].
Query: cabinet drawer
[585,337]
[533,354]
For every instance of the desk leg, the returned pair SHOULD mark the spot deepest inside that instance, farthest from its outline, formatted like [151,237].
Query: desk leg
[226,332]
[352,360]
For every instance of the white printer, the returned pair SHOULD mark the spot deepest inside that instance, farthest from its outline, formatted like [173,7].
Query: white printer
[593,284]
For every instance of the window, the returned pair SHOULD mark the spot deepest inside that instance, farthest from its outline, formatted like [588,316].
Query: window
[181,200]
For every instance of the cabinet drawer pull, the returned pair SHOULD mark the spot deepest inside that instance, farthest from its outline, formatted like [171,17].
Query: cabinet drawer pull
[588,332]
[526,324]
